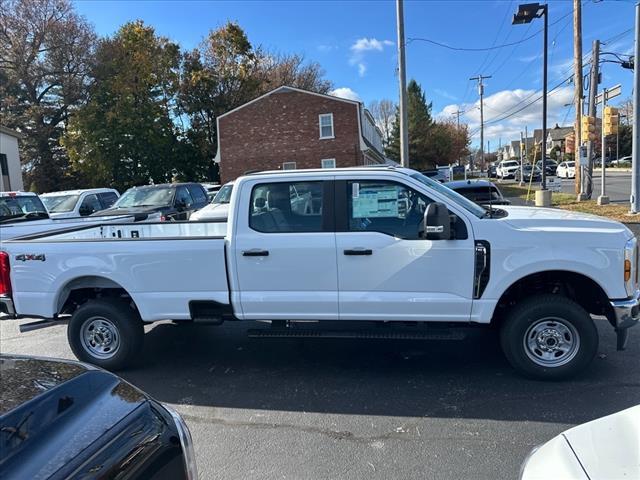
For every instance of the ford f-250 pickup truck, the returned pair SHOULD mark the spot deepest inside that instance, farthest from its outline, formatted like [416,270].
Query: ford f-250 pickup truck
[373,252]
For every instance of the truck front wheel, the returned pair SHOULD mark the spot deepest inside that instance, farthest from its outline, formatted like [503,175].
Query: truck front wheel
[105,332]
[549,337]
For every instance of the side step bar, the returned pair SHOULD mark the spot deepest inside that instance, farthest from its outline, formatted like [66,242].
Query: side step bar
[28,327]
[423,334]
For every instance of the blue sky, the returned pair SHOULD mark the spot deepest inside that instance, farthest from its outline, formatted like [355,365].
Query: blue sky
[355,42]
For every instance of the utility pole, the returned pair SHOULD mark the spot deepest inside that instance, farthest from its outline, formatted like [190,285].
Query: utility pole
[577,81]
[522,156]
[603,199]
[479,78]
[635,159]
[402,78]
[593,92]
[457,114]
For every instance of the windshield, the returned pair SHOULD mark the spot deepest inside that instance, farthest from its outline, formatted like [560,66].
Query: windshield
[571,164]
[455,197]
[145,197]
[21,207]
[510,164]
[223,195]
[60,203]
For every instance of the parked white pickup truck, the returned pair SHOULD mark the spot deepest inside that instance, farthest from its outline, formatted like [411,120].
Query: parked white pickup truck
[380,252]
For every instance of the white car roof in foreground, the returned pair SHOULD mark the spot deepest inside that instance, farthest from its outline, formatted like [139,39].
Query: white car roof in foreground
[18,194]
[78,192]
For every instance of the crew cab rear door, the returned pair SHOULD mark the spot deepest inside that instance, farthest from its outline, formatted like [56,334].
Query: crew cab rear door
[284,249]
[385,270]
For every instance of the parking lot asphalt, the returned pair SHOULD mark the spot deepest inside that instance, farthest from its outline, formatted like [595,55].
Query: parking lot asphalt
[358,409]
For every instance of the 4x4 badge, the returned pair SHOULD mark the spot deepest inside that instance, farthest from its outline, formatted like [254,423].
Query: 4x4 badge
[24,257]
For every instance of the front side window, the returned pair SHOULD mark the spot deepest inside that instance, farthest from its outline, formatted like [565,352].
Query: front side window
[183,198]
[386,207]
[286,207]
[326,125]
[89,205]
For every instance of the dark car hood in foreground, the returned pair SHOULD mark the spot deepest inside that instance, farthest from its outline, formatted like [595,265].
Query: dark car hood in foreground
[51,411]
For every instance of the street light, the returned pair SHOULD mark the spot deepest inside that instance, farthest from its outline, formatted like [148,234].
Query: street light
[526,13]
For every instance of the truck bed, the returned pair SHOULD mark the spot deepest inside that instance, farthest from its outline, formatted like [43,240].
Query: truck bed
[162,266]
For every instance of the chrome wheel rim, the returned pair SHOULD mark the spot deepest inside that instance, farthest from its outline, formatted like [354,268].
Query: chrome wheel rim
[551,342]
[100,337]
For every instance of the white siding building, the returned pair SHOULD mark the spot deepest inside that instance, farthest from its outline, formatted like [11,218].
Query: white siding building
[10,169]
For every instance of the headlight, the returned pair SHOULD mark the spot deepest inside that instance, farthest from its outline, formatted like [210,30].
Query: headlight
[187,444]
[631,266]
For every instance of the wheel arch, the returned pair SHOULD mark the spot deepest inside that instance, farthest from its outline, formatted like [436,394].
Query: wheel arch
[582,289]
[79,290]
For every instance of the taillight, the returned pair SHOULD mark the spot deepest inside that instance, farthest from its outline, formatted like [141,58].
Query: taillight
[5,279]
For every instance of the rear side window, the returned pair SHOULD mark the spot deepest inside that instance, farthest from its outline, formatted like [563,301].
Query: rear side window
[198,194]
[287,207]
[108,199]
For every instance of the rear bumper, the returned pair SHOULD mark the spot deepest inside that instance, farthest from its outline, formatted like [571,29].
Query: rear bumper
[627,311]
[6,306]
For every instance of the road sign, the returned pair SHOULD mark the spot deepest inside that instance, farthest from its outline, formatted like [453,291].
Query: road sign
[611,93]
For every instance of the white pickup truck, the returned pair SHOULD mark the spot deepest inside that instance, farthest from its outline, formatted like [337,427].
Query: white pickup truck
[370,252]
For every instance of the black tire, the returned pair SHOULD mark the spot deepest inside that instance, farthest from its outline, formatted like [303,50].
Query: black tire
[114,315]
[549,318]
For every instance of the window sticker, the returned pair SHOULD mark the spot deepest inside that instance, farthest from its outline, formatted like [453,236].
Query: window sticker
[378,202]
[355,190]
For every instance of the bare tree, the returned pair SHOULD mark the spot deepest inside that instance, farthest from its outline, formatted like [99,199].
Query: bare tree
[292,70]
[626,111]
[46,51]
[384,113]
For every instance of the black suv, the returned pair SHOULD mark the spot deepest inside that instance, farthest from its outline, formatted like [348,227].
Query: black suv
[167,202]
[62,419]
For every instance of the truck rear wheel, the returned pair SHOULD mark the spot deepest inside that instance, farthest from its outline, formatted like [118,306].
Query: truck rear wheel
[549,337]
[106,332]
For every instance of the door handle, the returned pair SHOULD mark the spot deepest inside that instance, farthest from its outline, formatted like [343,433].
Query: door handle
[255,252]
[359,251]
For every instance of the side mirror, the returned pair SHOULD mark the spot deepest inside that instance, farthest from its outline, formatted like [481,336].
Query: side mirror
[437,224]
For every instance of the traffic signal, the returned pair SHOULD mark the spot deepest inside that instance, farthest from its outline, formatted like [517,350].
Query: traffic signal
[588,128]
[610,120]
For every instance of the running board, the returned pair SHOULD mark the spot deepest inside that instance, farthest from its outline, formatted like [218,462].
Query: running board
[37,325]
[363,334]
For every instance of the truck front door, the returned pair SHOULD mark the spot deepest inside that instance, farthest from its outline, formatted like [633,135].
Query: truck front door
[285,251]
[385,270]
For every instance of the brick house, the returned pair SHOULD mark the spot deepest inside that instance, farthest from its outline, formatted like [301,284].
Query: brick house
[289,128]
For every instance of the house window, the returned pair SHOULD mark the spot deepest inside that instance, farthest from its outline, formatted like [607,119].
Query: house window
[289,166]
[326,126]
[328,163]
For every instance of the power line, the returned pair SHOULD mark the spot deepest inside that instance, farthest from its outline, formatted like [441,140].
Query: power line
[480,49]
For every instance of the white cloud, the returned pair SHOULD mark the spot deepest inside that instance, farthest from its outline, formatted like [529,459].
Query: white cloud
[345,92]
[445,94]
[511,102]
[363,45]
[367,44]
